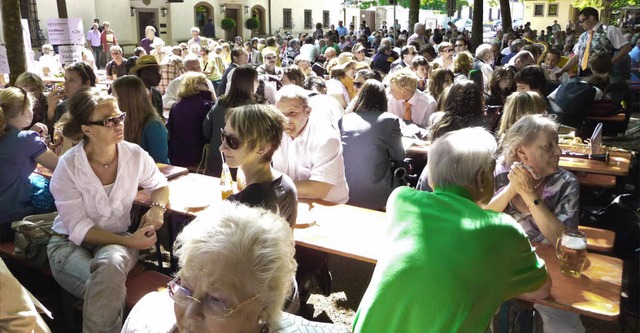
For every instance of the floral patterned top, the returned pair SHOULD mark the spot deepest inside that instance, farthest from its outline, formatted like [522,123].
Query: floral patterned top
[561,193]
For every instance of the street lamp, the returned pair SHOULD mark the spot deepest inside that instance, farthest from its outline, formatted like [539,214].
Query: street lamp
[223,9]
[163,11]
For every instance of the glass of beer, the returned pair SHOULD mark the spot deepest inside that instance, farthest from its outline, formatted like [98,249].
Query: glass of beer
[571,249]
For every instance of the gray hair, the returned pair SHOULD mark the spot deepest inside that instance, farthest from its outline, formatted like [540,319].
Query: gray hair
[456,157]
[259,242]
[482,50]
[524,132]
[293,91]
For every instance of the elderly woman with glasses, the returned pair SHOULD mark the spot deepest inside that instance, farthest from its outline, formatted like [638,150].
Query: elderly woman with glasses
[235,272]
[540,196]
[20,151]
[94,186]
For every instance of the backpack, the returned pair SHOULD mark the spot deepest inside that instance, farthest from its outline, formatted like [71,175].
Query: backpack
[575,98]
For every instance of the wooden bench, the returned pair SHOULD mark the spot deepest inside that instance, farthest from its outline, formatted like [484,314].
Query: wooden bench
[596,180]
[620,117]
[139,281]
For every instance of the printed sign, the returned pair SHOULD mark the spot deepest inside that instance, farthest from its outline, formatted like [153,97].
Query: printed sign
[70,54]
[65,31]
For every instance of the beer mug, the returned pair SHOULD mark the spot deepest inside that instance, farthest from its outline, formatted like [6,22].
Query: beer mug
[571,249]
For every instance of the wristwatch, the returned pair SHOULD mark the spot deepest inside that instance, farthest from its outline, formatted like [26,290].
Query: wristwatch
[535,202]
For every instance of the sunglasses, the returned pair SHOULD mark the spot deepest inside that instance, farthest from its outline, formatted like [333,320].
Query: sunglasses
[232,142]
[270,57]
[448,50]
[109,122]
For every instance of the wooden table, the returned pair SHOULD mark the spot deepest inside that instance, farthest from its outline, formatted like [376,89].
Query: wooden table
[595,294]
[599,240]
[343,230]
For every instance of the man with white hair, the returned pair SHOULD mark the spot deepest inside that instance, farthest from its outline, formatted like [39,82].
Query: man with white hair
[440,269]
[483,61]
[311,151]
[170,97]
[418,35]
[195,37]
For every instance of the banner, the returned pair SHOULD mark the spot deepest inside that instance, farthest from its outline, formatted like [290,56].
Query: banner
[65,31]
[70,54]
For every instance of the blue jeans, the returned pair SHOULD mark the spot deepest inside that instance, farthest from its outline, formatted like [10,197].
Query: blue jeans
[97,55]
[96,274]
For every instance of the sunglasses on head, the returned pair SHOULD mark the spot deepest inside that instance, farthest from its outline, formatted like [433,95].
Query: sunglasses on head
[232,142]
[109,122]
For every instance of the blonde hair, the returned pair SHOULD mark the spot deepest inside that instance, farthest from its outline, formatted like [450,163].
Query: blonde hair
[258,126]
[404,79]
[30,79]
[190,82]
[259,243]
[463,63]
[517,105]
[13,102]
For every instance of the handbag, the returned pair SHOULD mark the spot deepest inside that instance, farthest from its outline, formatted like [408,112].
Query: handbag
[32,237]
[41,197]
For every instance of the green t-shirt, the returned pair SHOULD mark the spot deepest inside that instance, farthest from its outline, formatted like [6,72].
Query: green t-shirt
[447,265]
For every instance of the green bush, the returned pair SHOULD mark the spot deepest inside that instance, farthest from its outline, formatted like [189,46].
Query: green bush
[228,23]
[252,23]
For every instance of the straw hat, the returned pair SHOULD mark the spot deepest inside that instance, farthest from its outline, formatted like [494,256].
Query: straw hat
[343,60]
[143,62]
[358,47]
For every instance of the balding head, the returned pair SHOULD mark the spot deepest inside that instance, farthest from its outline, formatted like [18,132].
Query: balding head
[192,64]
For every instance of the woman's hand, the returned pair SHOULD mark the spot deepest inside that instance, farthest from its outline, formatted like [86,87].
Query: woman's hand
[522,181]
[153,217]
[41,129]
[144,238]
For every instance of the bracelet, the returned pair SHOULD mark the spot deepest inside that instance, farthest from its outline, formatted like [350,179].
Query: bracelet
[155,204]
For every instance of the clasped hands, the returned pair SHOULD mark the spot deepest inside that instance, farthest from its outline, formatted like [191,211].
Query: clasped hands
[145,237]
[522,181]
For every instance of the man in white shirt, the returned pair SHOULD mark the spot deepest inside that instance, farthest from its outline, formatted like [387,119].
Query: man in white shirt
[311,151]
[483,61]
[406,101]
[309,50]
[418,35]
[170,96]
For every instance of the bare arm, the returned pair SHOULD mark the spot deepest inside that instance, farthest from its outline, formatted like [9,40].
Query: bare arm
[48,159]
[500,201]
[623,53]
[542,292]
[155,216]
[311,189]
[142,239]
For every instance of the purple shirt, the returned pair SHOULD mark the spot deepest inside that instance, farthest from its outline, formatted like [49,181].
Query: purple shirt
[186,138]
[145,43]
[18,151]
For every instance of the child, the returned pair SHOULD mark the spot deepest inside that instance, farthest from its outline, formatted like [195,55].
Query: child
[551,67]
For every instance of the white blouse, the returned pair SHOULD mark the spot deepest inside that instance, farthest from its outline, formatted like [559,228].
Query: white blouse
[82,200]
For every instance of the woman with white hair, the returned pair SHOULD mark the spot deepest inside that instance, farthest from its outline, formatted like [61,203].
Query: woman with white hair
[235,273]
[540,196]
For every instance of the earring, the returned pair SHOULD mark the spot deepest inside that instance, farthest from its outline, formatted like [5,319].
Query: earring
[264,327]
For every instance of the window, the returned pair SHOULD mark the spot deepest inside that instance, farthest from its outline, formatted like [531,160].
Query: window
[29,11]
[286,18]
[553,10]
[538,10]
[308,21]
[325,18]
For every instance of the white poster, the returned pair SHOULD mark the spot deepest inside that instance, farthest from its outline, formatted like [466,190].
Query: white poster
[70,54]
[65,31]
[4,63]
[28,52]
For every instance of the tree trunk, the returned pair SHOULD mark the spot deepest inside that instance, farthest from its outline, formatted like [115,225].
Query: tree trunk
[414,8]
[13,38]
[505,12]
[476,26]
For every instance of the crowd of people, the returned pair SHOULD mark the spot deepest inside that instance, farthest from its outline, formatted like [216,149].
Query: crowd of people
[318,116]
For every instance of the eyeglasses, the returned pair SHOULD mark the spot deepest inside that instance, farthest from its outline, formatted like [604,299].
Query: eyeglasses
[232,142]
[582,21]
[358,84]
[448,50]
[212,306]
[109,122]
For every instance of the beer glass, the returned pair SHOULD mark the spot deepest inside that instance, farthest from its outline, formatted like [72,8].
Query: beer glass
[571,249]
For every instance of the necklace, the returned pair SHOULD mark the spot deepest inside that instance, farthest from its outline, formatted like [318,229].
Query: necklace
[107,165]
[539,183]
